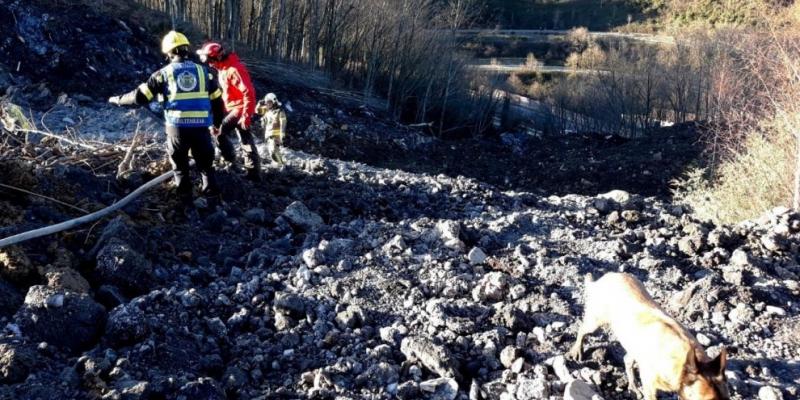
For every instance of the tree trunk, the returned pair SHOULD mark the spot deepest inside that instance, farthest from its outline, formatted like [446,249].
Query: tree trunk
[796,202]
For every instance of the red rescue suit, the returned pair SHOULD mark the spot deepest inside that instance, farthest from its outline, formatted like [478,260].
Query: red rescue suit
[238,92]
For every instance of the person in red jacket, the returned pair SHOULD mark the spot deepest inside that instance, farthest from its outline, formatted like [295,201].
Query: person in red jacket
[239,97]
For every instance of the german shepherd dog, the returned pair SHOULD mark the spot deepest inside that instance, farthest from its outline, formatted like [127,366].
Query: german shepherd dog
[668,357]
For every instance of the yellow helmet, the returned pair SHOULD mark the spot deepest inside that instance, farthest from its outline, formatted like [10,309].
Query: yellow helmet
[173,40]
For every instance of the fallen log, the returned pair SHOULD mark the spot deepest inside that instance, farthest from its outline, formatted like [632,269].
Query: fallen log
[49,230]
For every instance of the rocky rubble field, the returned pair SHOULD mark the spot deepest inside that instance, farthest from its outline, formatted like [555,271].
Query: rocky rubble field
[339,280]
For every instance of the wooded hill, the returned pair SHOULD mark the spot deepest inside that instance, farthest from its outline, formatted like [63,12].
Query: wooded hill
[404,52]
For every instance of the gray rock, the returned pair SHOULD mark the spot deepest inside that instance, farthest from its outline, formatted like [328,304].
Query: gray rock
[691,245]
[733,275]
[300,216]
[334,250]
[580,390]
[127,325]
[393,334]
[448,232]
[256,215]
[76,324]
[773,242]
[217,327]
[460,316]
[313,257]
[434,357]
[773,310]
[119,229]
[351,317]
[408,391]
[15,265]
[66,279]
[532,389]
[16,363]
[395,244]
[492,287]
[740,258]
[561,370]
[191,298]
[290,304]
[769,393]
[603,205]
[508,355]
[203,388]
[476,256]
[120,265]
[621,197]
[134,390]
[742,314]
[439,389]
[234,378]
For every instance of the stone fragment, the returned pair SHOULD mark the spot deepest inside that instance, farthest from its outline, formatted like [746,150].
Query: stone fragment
[434,357]
[300,216]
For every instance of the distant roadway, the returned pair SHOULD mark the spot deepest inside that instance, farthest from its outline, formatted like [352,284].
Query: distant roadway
[545,33]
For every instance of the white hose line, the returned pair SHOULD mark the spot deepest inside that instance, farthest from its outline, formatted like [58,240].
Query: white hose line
[51,229]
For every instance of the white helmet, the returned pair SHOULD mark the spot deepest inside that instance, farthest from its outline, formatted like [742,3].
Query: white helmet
[273,98]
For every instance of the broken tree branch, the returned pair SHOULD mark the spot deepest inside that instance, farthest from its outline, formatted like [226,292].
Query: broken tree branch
[124,165]
[49,230]
[52,135]
[44,197]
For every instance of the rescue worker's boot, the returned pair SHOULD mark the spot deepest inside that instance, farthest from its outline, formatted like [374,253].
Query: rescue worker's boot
[277,156]
[210,187]
[254,174]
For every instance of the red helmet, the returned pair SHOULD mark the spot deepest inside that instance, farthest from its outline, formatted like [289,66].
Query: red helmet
[212,51]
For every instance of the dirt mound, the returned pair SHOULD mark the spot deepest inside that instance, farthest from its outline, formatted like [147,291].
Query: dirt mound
[580,163]
[43,41]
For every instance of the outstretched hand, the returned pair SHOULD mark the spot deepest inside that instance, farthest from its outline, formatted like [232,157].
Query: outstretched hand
[114,100]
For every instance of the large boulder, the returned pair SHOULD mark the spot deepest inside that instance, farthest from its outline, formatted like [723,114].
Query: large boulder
[126,325]
[300,216]
[119,264]
[434,357]
[61,318]
[620,198]
[118,228]
[66,279]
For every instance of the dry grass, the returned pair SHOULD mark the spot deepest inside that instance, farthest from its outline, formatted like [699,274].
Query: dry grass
[750,182]
[758,148]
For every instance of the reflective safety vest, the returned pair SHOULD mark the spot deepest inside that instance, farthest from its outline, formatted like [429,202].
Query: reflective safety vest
[186,98]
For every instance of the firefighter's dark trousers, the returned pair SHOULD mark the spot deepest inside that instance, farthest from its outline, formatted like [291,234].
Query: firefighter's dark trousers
[198,140]
[230,126]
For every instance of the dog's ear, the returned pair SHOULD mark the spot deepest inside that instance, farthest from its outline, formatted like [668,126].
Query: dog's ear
[690,366]
[716,367]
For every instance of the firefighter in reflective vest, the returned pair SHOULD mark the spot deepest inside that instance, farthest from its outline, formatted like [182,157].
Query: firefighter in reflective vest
[192,103]
[239,97]
[274,120]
